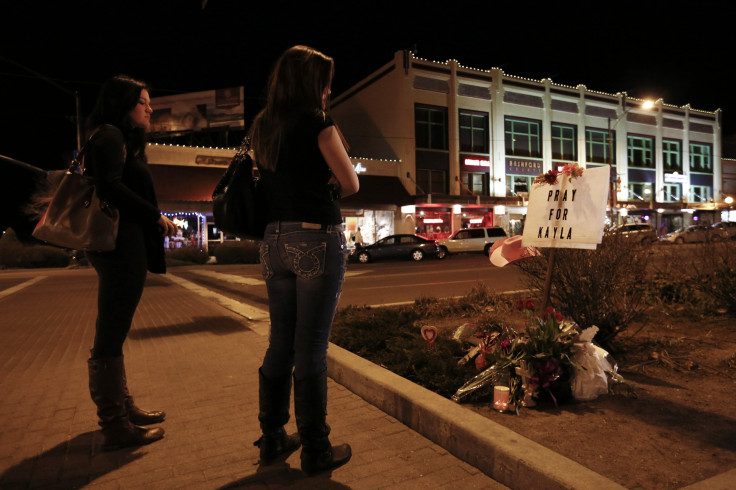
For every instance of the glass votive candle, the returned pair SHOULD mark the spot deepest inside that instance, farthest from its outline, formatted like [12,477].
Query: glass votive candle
[501,398]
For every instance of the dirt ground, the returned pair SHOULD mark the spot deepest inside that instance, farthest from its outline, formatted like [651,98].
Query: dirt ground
[680,428]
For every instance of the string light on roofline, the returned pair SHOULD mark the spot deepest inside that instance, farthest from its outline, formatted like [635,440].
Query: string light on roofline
[541,81]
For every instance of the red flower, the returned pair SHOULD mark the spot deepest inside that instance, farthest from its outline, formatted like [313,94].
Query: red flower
[551,312]
[522,305]
[480,362]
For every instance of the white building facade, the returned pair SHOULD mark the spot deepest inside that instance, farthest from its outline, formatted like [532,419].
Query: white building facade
[466,144]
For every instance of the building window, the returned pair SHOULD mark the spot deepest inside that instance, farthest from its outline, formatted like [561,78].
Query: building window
[596,146]
[640,191]
[475,183]
[431,181]
[564,142]
[474,132]
[516,184]
[700,158]
[699,193]
[672,155]
[671,193]
[523,138]
[431,127]
[641,151]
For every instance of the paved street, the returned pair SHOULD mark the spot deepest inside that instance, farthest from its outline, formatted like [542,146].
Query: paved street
[197,360]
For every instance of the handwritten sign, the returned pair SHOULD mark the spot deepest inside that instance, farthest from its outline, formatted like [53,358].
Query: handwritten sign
[569,214]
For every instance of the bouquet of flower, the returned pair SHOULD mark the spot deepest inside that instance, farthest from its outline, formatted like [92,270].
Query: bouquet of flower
[570,170]
[537,362]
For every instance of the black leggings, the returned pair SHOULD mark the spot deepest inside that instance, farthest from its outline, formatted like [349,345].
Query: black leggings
[122,275]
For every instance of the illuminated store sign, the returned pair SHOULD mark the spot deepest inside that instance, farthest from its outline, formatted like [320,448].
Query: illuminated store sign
[517,166]
[674,178]
[475,162]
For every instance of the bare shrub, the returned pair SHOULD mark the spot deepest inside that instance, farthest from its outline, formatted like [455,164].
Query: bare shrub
[714,266]
[603,287]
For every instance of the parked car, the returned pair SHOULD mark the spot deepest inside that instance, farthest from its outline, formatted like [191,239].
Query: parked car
[643,233]
[397,246]
[726,228]
[472,240]
[695,234]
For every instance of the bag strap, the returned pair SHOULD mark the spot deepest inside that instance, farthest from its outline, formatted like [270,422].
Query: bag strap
[244,147]
[77,164]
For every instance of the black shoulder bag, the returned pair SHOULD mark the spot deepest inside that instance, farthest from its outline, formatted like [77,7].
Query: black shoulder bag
[236,206]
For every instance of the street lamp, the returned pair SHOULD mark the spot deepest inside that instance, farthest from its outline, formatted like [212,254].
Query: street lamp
[646,105]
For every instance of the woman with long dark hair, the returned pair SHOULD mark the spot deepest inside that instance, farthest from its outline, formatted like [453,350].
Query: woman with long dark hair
[304,168]
[115,156]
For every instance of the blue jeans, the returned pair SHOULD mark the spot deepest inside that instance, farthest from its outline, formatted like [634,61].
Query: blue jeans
[304,268]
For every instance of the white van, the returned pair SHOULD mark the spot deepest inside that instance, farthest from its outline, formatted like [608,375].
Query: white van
[472,240]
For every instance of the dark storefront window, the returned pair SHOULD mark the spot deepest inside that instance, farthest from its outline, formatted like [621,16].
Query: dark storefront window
[564,142]
[672,155]
[432,181]
[517,183]
[596,146]
[700,158]
[523,137]
[430,124]
[476,183]
[474,132]
[641,151]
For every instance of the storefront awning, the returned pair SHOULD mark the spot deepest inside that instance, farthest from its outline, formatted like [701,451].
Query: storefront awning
[377,190]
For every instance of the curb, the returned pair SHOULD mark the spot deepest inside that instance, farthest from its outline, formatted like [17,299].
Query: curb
[500,453]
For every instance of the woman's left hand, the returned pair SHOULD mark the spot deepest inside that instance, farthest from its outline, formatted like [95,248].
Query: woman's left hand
[168,228]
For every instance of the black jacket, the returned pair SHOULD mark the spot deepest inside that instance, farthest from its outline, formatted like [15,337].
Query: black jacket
[125,182]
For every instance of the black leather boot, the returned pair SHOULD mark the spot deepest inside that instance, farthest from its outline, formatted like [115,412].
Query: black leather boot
[137,415]
[310,404]
[273,413]
[107,389]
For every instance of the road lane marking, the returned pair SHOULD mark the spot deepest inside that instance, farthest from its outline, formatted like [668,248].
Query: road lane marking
[18,287]
[404,303]
[259,319]
[415,285]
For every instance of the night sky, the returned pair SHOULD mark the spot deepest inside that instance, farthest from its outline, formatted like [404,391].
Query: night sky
[680,51]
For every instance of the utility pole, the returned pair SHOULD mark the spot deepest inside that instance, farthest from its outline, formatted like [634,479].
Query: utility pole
[73,93]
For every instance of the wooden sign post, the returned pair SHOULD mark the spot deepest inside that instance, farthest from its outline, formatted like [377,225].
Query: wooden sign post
[566,211]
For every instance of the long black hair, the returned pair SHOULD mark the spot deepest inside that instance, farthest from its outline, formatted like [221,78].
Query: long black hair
[297,84]
[118,96]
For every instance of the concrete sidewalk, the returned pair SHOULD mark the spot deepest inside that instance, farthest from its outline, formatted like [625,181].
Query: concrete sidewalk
[197,360]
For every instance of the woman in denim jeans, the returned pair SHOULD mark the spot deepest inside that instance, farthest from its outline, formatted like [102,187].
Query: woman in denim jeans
[305,169]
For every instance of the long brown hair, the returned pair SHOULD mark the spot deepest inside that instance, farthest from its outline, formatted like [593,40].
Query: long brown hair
[118,96]
[296,87]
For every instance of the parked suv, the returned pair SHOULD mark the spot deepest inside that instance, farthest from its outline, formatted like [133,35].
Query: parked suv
[727,229]
[472,240]
[696,234]
[643,233]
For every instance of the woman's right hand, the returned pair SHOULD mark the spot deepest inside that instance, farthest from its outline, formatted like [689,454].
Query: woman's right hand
[168,228]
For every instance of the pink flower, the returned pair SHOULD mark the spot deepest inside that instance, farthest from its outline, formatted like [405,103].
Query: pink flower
[505,346]
[572,170]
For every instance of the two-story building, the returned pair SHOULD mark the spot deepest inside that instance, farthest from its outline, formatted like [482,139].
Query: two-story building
[466,144]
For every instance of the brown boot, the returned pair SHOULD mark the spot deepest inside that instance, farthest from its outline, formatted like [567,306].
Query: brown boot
[310,405]
[273,413]
[138,416]
[107,389]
